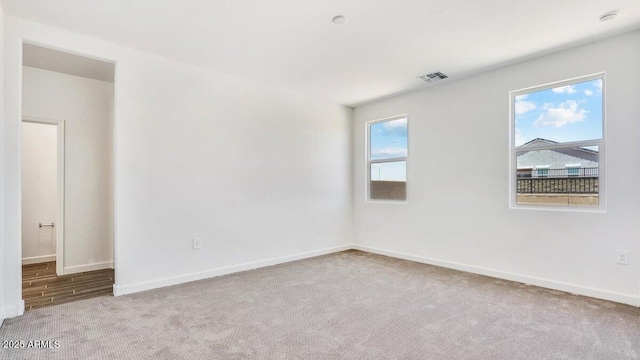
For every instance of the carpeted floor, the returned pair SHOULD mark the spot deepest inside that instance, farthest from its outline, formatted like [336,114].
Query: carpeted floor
[350,305]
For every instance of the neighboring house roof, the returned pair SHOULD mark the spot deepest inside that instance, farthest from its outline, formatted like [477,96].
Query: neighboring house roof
[556,159]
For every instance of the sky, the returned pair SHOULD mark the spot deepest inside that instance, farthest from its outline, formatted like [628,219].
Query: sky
[562,114]
[389,140]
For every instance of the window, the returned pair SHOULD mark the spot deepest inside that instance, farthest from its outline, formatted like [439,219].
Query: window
[557,133]
[543,171]
[387,159]
[573,169]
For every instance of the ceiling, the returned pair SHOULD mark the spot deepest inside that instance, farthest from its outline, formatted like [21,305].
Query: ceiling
[63,62]
[379,52]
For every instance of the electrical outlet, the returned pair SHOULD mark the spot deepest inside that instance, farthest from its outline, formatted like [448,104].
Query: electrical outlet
[623,257]
[366,227]
[196,243]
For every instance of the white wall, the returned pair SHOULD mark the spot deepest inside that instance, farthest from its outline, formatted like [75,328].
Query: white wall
[463,221]
[86,106]
[39,191]
[260,174]
[2,250]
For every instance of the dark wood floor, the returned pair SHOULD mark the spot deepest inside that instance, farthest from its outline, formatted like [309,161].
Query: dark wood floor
[41,287]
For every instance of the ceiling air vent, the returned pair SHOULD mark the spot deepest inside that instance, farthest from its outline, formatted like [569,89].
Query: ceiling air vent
[433,77]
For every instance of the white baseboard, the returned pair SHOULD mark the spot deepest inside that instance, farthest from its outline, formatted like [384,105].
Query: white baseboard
[174,280]
[546,283]
[12,311]
[38,259]
[88,267]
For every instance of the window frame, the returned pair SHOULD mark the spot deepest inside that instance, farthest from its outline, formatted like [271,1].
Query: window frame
[369,162]
[601,143]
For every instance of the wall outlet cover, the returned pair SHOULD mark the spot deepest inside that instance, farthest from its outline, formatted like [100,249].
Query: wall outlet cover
[623,257]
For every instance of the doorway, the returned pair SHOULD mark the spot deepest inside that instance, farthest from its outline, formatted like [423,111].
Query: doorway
[43,192]
[67,177]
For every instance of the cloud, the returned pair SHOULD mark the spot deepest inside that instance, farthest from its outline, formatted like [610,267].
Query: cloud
[598,84]
[569,89]
[565,113]
[395,127]
[519,138]
[523,107]
[389,152]
[588,92]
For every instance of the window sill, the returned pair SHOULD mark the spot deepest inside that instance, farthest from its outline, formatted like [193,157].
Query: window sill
[395,202]
[576,209]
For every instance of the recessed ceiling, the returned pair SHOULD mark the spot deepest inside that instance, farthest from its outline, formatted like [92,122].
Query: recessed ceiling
[380,51]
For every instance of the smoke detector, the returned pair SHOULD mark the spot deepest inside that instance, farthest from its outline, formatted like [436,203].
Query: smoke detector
[433,77]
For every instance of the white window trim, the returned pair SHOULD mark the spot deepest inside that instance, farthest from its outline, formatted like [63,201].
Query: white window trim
[369,161]
[600,143]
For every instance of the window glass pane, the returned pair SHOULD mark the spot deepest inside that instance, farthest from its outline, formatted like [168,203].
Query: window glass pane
[388,139]
[573,171]
[388,181]
[562,114]
[544,179]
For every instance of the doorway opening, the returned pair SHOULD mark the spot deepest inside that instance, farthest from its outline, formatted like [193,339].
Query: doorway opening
[67,177]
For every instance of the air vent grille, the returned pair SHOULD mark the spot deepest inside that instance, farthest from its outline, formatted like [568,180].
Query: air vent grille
[433,77]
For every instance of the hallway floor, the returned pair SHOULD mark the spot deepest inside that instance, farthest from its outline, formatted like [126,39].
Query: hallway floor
[41,287]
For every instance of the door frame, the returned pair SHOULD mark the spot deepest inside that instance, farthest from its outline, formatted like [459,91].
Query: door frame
[59,226]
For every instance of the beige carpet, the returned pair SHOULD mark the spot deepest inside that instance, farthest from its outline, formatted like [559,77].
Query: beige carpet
[350,305]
